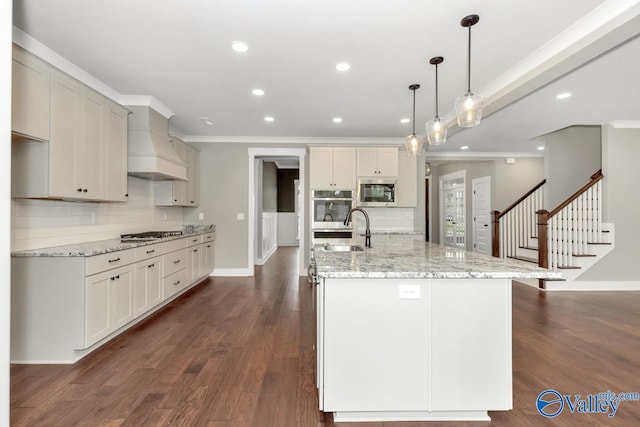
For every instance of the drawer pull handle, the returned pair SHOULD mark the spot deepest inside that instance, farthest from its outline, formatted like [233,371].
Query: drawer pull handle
[195,250]
[151,265]
[115,277]
[114,260]
[176,283]
[194,240]
[151,251]
[176,261]
[209,237]
[208,246]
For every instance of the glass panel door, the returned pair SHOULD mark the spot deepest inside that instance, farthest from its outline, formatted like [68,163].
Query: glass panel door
[453,210]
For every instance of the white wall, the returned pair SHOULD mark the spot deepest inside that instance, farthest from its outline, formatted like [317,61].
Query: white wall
[571,156]
[5,205]
[288,229]
[44,223]
[621,205]
[514,180]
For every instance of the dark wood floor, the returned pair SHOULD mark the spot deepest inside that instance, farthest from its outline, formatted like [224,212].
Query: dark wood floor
[237,352]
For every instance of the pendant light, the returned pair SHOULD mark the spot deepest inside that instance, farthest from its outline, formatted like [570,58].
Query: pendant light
[413,143]
[436,130]
[469,106]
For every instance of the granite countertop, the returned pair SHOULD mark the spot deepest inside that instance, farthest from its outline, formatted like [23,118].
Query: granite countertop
[396,256]
[105,246]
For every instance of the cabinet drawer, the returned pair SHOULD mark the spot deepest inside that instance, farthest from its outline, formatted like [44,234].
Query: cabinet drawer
[209,237]
[173,262]
[157,249]
[174,283]
[96,264]
[194,240]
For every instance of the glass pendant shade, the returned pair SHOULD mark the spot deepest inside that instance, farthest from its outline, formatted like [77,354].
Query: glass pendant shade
[436,132]
[469,110]
[413,145]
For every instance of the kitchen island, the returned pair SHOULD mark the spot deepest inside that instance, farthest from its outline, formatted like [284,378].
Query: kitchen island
[409,331]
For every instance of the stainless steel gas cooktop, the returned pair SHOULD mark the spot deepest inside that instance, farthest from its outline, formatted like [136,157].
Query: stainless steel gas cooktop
[147,236]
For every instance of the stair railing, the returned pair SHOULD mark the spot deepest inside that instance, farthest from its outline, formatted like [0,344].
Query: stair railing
[565,231]
[515,226]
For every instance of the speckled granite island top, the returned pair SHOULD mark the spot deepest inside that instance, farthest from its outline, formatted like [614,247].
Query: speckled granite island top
[406,257]
[105,246]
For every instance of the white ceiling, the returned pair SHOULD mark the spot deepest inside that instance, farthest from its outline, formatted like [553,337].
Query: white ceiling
[523,54]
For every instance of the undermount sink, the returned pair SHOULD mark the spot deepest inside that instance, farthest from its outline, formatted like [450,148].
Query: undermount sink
[342,248]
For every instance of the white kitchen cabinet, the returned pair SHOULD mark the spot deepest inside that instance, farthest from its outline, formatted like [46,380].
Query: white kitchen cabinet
[108,303]
[195,263]
[116,153]
[72,303]
[407,183]
[377,359]
[377,161]
[332,168]
[148,286]
[85,157]
[30,83]
[177,192]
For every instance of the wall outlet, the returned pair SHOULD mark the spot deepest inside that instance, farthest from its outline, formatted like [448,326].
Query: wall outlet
[409,291]
[201,216]
[240,217]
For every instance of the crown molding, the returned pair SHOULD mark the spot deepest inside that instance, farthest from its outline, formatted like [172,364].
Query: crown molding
[306,140]
[40,50]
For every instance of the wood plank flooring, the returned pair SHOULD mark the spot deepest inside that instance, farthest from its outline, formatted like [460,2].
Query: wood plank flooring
[238,352]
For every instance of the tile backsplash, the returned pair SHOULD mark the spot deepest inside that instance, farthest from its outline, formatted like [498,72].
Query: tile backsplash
[45,223]
[386,219]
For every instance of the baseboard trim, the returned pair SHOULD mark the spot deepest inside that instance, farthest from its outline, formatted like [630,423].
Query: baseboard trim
[265,258]
[593,286]
[232,272]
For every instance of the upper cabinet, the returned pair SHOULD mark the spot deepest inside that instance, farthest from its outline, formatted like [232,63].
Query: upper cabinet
[332,168]
[177,192]
[377,161]
[85,157]
[30,83]
[407,183]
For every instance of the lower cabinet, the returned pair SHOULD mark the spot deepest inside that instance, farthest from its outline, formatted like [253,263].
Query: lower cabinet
[108,303]
[148,286]
[208,257]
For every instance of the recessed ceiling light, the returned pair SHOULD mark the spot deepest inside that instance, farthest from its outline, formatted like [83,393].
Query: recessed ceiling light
[464,147]
[207,121]
[257,92]
[239,46]
[269,119]
[343,66]
[337,120]
[405,120]
[541,148]
[563,95]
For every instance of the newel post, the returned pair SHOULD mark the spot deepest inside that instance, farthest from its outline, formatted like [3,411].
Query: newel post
[495,234]
[543,247]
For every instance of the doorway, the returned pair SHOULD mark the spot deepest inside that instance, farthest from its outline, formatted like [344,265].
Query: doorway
[481,211]
[453,227]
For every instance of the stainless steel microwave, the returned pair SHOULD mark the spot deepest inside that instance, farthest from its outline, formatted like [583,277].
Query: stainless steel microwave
[377,192]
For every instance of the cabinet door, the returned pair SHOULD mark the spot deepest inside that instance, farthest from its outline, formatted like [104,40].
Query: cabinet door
[367,161]
[154,282]
[116,153]
[320,168]
[387,161]
[194,177]
[122,296]
[97,306]
[181,188]
[407,184]
[64,145]
[195,263]
[344,167]
[377,360]
[471,344]
[208,258]
[92,160]
[147,286]
[30,95]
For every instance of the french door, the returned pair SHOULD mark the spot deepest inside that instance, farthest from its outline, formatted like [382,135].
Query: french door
[452,210]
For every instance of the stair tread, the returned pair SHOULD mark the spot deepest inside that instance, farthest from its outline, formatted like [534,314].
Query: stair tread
[583,255]
[598,243]
[528,247]
[555,280]
[569,267]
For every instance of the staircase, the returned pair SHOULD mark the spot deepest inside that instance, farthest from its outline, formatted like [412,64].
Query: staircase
[571,238]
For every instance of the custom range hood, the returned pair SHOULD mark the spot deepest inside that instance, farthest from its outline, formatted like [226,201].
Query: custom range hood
[151,154]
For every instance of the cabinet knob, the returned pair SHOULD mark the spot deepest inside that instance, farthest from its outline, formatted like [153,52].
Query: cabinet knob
[79,190]
[126,195]
[84,190]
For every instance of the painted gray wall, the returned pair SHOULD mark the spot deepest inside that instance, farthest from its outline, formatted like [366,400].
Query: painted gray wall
[508,183]
[621,205]
[269,187]
[571,156]
[224,192]
[514,180]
